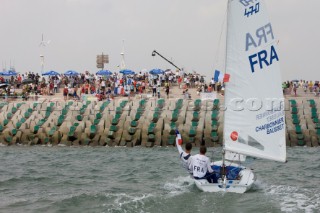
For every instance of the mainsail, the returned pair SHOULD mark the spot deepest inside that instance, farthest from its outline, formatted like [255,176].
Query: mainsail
[253,97]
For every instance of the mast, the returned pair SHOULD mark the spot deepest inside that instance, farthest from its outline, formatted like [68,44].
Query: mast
[225,70]
[223,167]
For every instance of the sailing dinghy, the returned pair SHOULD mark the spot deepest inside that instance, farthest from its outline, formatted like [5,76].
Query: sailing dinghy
[254,123]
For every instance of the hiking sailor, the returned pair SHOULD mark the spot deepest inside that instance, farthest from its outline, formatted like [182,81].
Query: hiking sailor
[201,166]
[184,155]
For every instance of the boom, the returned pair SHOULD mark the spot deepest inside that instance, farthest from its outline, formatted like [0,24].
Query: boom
[170,62]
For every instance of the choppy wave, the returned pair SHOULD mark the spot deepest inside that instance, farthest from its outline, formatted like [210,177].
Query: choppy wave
[295,199]
[126,203]
[178,186]
[87,179]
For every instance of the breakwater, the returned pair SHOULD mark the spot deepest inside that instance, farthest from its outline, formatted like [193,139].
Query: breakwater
[138,122]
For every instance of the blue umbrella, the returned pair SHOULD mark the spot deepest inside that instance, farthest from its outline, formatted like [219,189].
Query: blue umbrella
[8,73]
[71,72]
[156,71]
[51,73]
[127,72]
[104,72]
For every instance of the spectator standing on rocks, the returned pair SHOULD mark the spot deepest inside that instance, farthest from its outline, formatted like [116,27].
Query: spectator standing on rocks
[55,85]
[167,91]
[154,90]
[305,87]
[295,87]
[75,93]
[65,93]
[158,91]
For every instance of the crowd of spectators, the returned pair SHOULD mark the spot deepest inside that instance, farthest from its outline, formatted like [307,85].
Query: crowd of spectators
[104,87]
[291,87]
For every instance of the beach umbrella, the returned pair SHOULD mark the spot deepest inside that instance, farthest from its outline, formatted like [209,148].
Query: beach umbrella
[127,72]
[156,71]
[8,73]
[104,72]
[51,73]
[71,73]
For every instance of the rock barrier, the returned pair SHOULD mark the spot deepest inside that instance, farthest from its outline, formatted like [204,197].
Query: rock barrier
[144,122]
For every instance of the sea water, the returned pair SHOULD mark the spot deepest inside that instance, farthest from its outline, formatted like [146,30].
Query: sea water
[117,179]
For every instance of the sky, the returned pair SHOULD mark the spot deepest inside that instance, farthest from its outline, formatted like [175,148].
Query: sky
[188,32]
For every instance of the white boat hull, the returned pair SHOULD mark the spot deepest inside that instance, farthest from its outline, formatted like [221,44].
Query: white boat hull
[241,184]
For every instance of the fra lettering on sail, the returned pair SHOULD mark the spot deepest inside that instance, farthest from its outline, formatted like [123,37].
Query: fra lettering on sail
[266,57]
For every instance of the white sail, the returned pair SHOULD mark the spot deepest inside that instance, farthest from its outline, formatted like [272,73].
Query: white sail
[253,96]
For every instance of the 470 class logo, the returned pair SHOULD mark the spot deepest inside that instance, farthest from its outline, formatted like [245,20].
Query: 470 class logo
[253,9]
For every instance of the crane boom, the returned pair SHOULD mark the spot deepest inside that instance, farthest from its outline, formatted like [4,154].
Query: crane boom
[170,62]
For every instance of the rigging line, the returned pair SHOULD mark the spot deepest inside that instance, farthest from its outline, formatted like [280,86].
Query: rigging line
[220,37]
[249,161]
[233,159]
[212,154]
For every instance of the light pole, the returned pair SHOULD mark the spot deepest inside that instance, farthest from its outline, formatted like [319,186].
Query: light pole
[122,64]
[42,45]
[42,63]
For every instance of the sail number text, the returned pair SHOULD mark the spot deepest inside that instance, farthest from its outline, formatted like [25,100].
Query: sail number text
[265,57]
[253,9]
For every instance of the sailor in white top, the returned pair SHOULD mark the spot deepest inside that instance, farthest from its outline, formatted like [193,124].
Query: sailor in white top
[185,156]
[201,168]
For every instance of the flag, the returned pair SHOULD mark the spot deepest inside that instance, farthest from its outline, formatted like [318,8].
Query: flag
[219,76]
[226,78]
[179,139]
